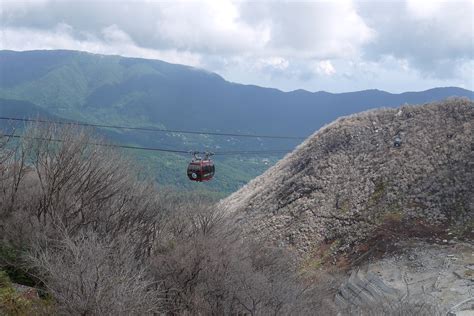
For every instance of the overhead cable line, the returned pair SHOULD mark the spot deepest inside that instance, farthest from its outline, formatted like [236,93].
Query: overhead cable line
[250,152]
[149,129]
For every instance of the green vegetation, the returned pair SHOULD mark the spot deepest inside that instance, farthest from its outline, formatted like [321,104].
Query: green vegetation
[11,303]
[316,260]
[344,206]
[393,217]
[378,194]
[169,170]
[150,93]
[10,258]
[15,303]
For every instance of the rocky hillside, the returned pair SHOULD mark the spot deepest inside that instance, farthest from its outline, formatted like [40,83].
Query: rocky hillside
[440,276]
[368,179]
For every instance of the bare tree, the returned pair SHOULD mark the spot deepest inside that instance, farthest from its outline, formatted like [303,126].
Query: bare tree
[89,277]
[74,182]
[12,172]
[59,183]
[103,241]
[206,267]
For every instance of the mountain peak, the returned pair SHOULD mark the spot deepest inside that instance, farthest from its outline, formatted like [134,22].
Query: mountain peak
[379,175]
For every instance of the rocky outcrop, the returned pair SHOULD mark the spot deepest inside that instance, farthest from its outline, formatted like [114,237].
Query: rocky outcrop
[364,289]
[383,174]
[420,274]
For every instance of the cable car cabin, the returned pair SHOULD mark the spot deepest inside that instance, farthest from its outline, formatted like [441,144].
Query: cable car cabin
[201,170]
[397,142]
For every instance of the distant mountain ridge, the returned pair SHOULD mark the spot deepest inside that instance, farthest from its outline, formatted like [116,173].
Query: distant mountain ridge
[73,84]
[139,92]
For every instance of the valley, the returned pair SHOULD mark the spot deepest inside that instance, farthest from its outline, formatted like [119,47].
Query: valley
[114,90]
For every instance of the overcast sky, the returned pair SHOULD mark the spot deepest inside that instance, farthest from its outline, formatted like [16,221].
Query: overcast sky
[334,45]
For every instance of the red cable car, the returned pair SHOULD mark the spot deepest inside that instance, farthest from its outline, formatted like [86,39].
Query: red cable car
[201,169]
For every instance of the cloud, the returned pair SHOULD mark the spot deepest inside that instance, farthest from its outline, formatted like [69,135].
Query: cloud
[324,67]
[116,42]
[286,42]
[213,27]
[420,9]
[114,34]
[311,29]
[277,63]
[433,37]
[225,27]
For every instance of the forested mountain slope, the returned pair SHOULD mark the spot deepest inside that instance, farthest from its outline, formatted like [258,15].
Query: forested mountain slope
[151,93]
[82,85]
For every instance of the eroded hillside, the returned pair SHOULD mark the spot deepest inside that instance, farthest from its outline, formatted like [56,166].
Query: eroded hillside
[350,185]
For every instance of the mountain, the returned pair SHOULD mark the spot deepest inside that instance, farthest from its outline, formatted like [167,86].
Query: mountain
[83,86]
[150,93]
[368,178]
[20,109]
[384,196]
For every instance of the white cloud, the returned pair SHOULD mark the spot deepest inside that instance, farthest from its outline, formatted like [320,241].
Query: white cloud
[310,29]
[421,9]
[209,26]
[113,33]
[277,63]
[117,43]
[324,67]
[434,37]
[318,29]
[289,43]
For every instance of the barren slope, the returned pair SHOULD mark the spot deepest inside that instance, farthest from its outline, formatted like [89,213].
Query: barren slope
[348,184]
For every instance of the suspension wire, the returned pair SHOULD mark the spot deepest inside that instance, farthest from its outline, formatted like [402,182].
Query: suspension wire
[250,152]
[149,129]
[255,152]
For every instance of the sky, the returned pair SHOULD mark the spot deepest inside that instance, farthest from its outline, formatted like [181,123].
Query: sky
[335,46]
